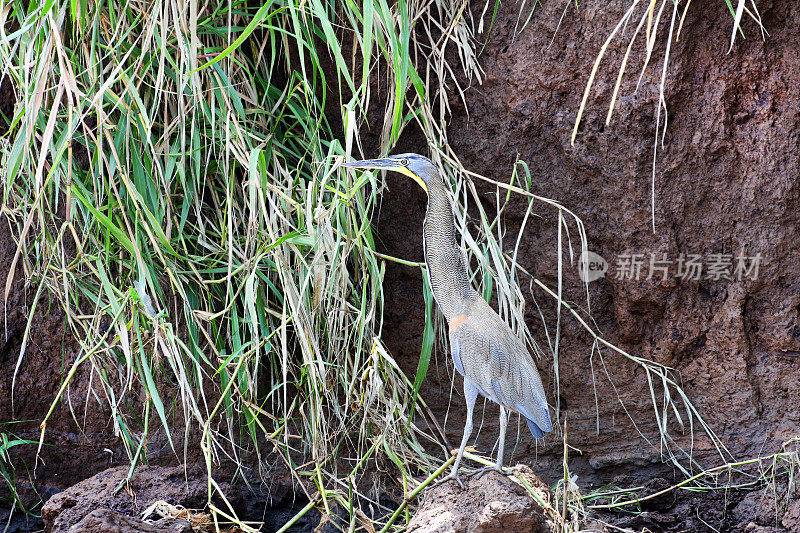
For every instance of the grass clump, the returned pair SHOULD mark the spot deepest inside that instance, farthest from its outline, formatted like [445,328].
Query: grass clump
[169,176]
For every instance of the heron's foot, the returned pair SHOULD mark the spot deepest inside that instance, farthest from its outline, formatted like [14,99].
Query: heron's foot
[452,476]
[493,468]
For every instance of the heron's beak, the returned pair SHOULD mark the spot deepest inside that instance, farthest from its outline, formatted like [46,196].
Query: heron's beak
[375,164]
[386,164]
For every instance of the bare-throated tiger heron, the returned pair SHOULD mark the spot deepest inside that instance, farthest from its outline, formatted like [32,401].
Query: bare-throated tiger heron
[493,361]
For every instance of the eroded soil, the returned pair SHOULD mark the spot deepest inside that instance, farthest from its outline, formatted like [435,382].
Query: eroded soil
[726,183]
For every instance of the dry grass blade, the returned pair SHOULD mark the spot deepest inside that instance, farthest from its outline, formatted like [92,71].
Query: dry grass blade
[651,19]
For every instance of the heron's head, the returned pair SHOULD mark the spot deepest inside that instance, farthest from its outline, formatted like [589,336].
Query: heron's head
[419,168]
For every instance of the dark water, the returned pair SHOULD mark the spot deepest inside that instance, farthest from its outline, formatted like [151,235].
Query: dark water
[17,521]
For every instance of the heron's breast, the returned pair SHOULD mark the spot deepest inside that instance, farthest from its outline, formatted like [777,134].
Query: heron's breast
[457,321]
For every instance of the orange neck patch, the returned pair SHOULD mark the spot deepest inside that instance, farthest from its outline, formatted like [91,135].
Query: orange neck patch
[457,321]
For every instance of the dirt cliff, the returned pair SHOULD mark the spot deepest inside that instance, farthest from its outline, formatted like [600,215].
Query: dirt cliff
[726,183]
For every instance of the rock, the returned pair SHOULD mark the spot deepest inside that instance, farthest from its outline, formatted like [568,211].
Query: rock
[593,526]
[148,485]
[791,519]
[763,507]
[108,521]
[660,503]
[752,527]
[490,503]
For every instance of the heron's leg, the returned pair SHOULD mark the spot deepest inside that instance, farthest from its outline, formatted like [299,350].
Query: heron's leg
[499,464]
[471,394]
[503,425]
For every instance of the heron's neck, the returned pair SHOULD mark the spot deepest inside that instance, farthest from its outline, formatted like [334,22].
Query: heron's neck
[444,257]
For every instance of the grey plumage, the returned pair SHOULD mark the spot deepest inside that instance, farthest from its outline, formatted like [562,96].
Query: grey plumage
[496,362]
[493,361]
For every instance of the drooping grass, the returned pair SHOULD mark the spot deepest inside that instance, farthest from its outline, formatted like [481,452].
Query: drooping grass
[169,173]
[648,28]
[162,172]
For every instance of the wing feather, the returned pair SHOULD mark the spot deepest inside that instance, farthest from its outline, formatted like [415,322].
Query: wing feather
[486,352]
[456,350]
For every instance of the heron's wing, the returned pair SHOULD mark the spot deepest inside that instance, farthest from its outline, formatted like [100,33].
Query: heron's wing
[488,354]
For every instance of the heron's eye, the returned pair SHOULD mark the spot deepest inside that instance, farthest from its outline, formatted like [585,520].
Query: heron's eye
[404,162]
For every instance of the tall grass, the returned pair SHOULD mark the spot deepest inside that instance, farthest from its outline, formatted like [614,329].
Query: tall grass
[169,176]
[162,174]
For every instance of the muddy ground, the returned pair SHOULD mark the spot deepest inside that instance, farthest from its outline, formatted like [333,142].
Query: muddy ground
[726,183]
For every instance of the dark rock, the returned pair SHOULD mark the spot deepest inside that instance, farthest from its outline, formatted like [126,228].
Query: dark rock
[791,519]
[108,521]
[148,485]
[752,527]
[490,503]
[659,503]
[763,507]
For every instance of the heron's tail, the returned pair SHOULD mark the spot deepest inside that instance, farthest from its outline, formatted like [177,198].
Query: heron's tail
[538,433]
